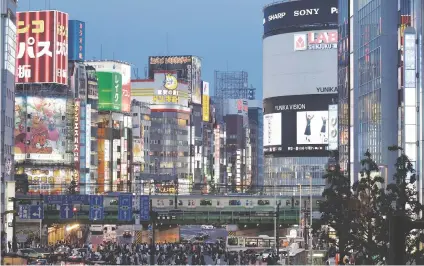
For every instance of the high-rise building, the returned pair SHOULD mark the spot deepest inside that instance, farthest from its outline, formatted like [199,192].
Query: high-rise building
[255,114]
[299,90]
[7,98]
[368,85]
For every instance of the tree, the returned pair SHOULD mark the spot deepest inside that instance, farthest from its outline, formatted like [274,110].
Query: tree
[402,198]
[338,210]
[72,189]
[212,186]
[370,227]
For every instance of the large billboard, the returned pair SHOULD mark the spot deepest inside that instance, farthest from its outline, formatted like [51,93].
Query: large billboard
[110,91]
[42,47]
[188,68]
[76,40]
[46,180]
[302,15]
[124,70]
[291,71]
[297,126]
[40,128]
[205,101]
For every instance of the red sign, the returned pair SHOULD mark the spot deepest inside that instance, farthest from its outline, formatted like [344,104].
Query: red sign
[42,47]
[322,37]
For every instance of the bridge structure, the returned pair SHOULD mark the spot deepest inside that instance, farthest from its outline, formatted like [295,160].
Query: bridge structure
[128,209]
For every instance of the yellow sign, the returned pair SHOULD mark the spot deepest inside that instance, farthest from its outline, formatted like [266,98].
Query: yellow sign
[165,99]
[170,82]
[205,108]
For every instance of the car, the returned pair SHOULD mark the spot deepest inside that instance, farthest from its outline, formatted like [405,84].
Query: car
[30,253]
[44,252]
[265,254]
[207,227]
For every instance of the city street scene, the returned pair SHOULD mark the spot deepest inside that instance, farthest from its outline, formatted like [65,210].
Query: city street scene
[224,132]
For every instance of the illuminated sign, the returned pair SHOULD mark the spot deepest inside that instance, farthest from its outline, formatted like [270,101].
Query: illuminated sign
[42,47]
[173,60]
[315,40]
[77,132]
[205,102]
[170,93]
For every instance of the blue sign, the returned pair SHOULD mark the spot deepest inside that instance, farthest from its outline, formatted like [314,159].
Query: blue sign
[144,208]
[66,212]
[76,46]
[96,207]
[79,199]
[31,211]
[125,208]
[53,199]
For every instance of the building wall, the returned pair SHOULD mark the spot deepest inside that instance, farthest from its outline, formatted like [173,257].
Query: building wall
[7,95]
[256,131]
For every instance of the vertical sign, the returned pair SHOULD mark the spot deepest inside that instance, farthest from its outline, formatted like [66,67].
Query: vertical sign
[126,88]
[110,91]
[333,127]
[76,40]
[42,47]
[205,102]
[144,208]
[77,133]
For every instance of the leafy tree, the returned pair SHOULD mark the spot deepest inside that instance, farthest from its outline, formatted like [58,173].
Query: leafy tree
[402,199]
[72,189]
[338,210]
[370,226]
[212,185]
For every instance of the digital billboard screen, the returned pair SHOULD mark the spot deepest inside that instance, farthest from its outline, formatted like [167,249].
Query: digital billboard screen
[300,16]
[188,68]
[297,125]
[110,91]
[46,180]
[40,127]
[42,47]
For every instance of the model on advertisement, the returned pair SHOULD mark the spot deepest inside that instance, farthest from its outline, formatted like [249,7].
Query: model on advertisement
[311,129]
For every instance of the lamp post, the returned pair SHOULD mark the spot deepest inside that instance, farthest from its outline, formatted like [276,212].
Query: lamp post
[300,209]
[275,210]
[310,217]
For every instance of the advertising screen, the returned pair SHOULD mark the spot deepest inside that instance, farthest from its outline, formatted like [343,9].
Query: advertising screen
[205,102]
[110,91]
[299,16]
[333,125]
[46,181]
[40,127]
[188,68]
[137,158]
[76,40]
[297,125]
[42,47]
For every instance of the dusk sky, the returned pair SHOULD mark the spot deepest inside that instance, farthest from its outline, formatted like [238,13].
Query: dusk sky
[224,33]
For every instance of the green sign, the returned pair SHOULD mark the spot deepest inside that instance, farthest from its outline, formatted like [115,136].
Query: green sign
[110,91]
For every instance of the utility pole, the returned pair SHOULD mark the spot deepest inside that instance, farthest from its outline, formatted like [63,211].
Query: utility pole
[277,231]
[153,246]
[14,239]
[176,192]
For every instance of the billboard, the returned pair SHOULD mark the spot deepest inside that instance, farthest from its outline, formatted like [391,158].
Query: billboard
[205,101]
[333,125]
[315,40]
[76,40]
[137,150]
[77,131]
[42,47]
[290,72]
[110,91]
[40,128]
[88,136]
[297,126]
[299,16]
[124,70]
[92,89]
[46,180]
[188,68]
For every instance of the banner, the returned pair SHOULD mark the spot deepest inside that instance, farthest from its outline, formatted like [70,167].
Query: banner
[205,101]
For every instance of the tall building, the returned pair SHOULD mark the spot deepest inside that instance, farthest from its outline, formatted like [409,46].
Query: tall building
[7,98]
[368,84]
[255,114]
[298,95]
[170,127]
[114,132]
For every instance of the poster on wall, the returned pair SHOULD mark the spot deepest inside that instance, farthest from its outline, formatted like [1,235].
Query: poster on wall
[40,128]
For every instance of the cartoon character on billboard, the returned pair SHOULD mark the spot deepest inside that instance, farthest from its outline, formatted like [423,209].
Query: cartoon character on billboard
[20,134]
[170,82]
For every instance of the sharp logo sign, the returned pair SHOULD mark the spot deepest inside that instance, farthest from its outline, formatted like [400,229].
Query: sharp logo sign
[301,13]
[315,40]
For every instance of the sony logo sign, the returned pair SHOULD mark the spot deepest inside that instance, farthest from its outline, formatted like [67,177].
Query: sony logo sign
[301,13]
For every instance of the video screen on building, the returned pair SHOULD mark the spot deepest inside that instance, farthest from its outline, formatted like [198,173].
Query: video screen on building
[40,126]
[297,125]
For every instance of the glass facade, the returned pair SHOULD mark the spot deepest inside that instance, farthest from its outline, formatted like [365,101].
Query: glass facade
[169,148]
[288,175]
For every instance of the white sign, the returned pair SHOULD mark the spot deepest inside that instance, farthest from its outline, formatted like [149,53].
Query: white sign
[333,127]
[272,129]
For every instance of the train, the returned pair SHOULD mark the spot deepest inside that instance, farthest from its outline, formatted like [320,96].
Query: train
[230,202]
